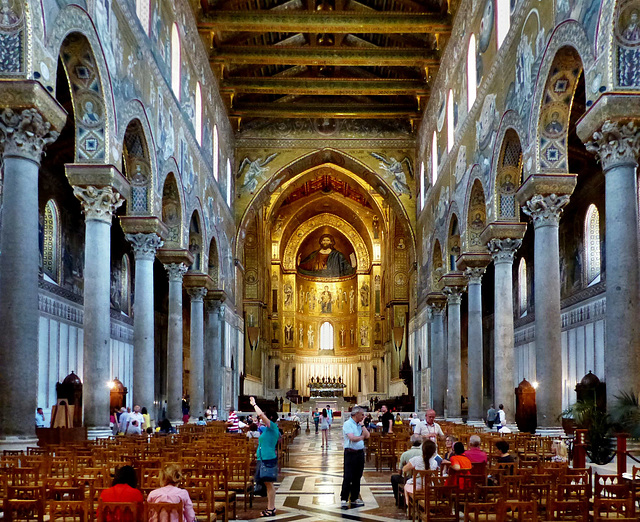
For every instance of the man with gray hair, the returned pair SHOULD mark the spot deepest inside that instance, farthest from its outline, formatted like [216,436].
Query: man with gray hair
[429,429]
[474,453]
[354,434]
[396,478]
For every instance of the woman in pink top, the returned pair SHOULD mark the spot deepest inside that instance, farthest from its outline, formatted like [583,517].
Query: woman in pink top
[170,478]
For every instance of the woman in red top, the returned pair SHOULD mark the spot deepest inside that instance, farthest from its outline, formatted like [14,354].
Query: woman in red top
[123,489]
[459,465]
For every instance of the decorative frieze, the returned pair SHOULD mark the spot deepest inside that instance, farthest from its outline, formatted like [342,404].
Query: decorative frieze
[25,134]
[64,311]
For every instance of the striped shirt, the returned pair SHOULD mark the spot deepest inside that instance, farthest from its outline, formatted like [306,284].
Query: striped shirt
[233,420]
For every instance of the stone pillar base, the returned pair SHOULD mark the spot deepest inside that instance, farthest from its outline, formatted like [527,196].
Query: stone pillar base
[15,443]
[551,432]
[98,433]
[477,423]
[457,420]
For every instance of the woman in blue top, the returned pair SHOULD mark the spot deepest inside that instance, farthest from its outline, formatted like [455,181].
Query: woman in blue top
[267,457]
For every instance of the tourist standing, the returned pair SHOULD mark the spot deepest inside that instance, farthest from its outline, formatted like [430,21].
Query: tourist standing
[354,436]
[324,428]
[316,418]
[330,414]
[267,466]
[386,419]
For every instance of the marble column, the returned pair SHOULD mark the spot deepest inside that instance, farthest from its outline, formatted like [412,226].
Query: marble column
[212,360]
[475,390]
[617,147]
[545,212]
[219,358]
[175,369]
[196,358]
[144,247]
[98,204]
[454,364]
[22,138]
[502,251]
[438,381]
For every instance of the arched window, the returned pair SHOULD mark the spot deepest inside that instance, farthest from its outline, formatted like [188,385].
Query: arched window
[229,182]
[522,286]
[472,75]
[450,135]
[326,336]
[175,61]
[125,284]
[51,241]
[216,152]
[422,185]
[592,245]
[434,159]
[199,113]
[503,20]
[142,10]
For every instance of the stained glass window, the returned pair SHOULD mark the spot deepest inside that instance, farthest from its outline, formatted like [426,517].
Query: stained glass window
[434,159]
[592,245]
[51,247]
[422,185]
[522,286]
[503,20]
[450,135]
[216,152]
[472,75]
[142,10]
[198,123]
[229,182]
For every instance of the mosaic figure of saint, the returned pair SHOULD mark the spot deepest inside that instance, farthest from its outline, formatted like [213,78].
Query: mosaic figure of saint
[325,301]
[326,261]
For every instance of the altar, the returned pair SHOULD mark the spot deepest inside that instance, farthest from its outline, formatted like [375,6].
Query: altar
[326,387]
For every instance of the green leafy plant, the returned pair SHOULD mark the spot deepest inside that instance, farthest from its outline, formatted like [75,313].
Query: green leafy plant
[625,413]
[599,428]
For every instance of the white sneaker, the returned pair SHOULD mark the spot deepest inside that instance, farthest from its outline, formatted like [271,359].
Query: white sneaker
[344,504]
[357,503]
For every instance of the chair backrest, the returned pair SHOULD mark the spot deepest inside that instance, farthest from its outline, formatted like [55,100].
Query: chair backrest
[164,512]
[24,509]
[202,500]
[523,510]
[484,511]
[69,511]
[117,511]
[489,493]
[613,508]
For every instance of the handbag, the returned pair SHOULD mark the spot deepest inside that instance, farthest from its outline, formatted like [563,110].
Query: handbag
[268,472]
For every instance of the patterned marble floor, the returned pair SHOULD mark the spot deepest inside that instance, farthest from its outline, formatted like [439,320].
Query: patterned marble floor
[310,486]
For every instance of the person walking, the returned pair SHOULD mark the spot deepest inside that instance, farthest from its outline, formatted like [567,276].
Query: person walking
[324,428]
[316,418]
[354,436]
[502,417]
[267,465]
[492,414]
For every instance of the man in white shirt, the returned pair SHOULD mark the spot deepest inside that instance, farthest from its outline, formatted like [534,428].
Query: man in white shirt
[414,421]
[136,416]
[429,429]
[502,417]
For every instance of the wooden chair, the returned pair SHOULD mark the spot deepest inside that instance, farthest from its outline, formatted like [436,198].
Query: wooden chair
[19,510]
[386,451]
[202,500]
[522,510]
[540,493]
[163,511]
[239,479]
[117,511]
[69,511]
[484,512]
[420,480]
[613,508]
[484,493]
[440,504]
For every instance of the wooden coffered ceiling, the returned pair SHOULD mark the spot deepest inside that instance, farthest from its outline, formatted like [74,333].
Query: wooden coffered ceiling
[366,59]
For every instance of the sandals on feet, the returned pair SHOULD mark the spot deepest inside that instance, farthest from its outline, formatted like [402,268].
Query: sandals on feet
[268,513]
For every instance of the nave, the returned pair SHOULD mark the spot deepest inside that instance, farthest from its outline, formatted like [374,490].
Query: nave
[309,485]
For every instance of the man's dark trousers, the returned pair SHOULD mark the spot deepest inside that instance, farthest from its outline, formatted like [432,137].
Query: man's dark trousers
[353,469]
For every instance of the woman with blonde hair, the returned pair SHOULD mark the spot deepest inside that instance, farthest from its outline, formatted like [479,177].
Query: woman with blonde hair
[560,451]
[170,479]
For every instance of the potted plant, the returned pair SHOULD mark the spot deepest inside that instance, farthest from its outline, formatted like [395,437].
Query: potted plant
[625,413]
[588,416]
[568,424]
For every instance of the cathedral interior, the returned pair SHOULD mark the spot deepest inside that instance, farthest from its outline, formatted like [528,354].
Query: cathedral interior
[420,203]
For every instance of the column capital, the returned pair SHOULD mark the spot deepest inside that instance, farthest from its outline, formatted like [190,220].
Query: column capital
[474,275]
[454,295]
[176,271]
[197,294]
[436,301]
[616,144]
[545,210]
[25,134]
[98,204]
[144,246]
[503,250]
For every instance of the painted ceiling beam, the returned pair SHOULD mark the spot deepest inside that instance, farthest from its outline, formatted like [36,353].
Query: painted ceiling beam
[345,56]
[324,86]
[342,22]
[290,110]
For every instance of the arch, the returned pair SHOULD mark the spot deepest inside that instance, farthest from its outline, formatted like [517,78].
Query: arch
[137,168]
[523,293]
[172,211]
[176,61]
[304,229]
[196,242]
[576,58]
[437,264]
[453,242]
[346,162]
[213,264]
[503,20]
[592,253]
[476,217]
[472,75]
[73,21]
[326,336]
[198,122]
[52,241]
